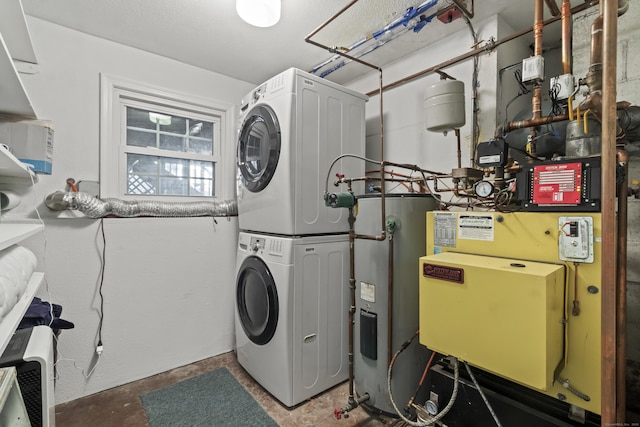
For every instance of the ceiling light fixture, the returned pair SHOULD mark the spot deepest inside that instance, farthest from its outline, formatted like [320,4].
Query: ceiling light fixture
[259,13]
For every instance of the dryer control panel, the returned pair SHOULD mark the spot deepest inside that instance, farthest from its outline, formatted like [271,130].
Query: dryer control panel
[256,244]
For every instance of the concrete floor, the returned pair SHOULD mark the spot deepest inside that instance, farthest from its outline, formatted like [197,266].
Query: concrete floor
[121,406]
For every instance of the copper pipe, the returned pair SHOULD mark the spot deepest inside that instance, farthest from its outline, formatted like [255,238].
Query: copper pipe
[621,286]
[535,122]
[536,98]
[336,50]
[474,52]
[594,75]
[609,389]
[536,101]
[459,148]
[352,302]
[415,168]
[538,23]
[327,22]
[553,7]
[576,301]
[390,300]
[383,204]
[566,36]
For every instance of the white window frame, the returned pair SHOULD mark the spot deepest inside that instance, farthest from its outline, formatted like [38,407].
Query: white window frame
[116,93]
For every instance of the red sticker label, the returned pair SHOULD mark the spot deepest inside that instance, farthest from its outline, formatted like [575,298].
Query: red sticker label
[557,184]
[442,272]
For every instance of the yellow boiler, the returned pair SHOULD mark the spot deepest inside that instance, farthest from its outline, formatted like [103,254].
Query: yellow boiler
[537,325]
[502,315]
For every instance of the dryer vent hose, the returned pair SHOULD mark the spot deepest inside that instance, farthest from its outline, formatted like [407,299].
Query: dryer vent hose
[94,207]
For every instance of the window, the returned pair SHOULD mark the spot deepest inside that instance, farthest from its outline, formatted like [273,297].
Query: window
[157,145]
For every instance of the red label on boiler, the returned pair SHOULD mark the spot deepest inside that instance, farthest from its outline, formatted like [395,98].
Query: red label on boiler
[559,184]
[443,272]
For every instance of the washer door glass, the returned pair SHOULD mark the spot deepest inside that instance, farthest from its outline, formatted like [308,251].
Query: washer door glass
[257,300]
[258,148]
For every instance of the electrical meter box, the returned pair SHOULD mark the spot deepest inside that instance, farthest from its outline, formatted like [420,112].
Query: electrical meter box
[501,315]
[31,142]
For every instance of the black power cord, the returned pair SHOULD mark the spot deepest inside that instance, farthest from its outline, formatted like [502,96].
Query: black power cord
[99,347]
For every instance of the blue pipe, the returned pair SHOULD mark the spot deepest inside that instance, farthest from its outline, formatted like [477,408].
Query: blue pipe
[405,20]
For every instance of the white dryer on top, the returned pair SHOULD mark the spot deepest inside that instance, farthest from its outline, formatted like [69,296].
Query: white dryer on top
[291,129]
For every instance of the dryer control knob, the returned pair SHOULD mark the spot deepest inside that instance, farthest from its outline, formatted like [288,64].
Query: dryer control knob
[255,247]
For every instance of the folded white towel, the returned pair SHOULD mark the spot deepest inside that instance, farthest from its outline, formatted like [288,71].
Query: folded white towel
[17,264]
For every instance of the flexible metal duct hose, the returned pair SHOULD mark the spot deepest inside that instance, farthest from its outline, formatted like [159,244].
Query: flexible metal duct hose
[94,207]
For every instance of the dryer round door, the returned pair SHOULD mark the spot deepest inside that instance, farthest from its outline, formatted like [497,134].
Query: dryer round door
[258,148]
[257,300]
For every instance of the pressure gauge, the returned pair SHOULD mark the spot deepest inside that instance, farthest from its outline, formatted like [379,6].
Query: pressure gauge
[483,188]
[431,406]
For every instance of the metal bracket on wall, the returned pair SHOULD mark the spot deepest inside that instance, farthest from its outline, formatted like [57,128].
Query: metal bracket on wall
[463,7]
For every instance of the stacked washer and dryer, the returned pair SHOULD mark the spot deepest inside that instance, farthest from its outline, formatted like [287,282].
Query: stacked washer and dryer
[292,265]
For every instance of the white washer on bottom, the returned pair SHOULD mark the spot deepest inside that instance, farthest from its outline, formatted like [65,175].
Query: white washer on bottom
[291,313]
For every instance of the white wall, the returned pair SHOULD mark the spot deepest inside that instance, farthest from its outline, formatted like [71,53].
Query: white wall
[169,283]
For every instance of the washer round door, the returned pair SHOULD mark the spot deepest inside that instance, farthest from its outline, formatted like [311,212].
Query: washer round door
[258,148]
[257,300]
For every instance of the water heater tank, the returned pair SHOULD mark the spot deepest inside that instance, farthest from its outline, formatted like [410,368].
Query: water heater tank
[389,314]
[444,106]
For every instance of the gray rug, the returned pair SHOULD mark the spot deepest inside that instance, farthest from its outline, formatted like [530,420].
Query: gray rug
[212,399]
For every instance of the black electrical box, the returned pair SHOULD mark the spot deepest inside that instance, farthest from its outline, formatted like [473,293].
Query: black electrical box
[492,153]
[569,185]
[369,334]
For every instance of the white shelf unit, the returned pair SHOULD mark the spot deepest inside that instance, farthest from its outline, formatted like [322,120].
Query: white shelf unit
[14,232]
[10,166]
[16,56]
[16,51]
[12,319]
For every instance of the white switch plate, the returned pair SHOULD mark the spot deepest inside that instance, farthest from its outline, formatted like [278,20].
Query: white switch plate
[575,238]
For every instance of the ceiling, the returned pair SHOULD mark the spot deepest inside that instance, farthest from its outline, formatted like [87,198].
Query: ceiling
[210,35]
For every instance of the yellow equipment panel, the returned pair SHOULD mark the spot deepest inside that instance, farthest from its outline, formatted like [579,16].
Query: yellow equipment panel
[526,237]
[503,315]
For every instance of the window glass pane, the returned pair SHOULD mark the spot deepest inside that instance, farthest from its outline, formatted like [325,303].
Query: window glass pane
[171,142]
[175,125]
[201,187]
[139,118]
[174,186]
[200,146]
[201,129]
[140,164]
[174,167]
[201,169]
[139,184]
[150,129]
[139,138]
